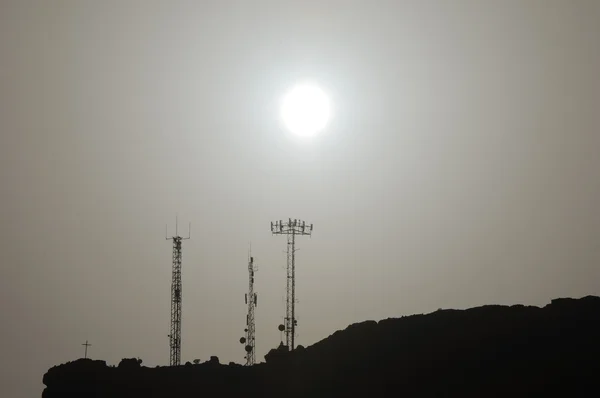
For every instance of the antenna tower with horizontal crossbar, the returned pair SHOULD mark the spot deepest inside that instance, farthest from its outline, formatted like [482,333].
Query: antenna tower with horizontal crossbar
[291,228]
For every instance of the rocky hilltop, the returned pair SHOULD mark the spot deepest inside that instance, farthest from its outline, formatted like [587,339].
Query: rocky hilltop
[489,351]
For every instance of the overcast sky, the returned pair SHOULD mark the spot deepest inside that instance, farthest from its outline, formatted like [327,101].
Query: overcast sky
[460,168]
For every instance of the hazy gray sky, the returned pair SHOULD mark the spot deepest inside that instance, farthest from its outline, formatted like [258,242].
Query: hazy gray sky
[461,167]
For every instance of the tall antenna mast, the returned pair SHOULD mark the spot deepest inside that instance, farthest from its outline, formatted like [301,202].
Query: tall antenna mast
[291,228]
[176,297]
[252,300]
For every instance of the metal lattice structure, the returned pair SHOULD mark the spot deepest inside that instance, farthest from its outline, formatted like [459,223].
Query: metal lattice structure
[291,228]
[176,300]
[251,300]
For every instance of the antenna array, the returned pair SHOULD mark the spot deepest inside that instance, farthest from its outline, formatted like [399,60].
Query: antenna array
[291,228]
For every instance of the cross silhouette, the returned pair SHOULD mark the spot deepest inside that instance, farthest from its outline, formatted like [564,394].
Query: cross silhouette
[86,344]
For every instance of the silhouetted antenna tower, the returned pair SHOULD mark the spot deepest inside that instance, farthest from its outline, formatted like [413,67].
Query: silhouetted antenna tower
[176,297]
[252,300]
[291,228]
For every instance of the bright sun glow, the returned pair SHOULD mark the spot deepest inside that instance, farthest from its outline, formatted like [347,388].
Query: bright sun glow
[305,110]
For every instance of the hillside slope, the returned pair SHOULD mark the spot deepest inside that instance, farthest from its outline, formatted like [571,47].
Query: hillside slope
[483,351]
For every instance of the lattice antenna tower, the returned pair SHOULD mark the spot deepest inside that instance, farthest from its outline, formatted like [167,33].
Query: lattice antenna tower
[176,296]
[251,299]
[291,228]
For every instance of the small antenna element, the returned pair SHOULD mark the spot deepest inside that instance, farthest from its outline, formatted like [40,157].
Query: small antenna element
[251,299]
[176,297]
[291,228]
[86,344]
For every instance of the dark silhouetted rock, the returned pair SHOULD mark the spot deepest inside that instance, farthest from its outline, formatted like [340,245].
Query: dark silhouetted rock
[130,363]
[488,351]
[277,354]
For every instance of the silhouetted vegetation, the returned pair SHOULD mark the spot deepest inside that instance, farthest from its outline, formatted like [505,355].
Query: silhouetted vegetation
[494,350]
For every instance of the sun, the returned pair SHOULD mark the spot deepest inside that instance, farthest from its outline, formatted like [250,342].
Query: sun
[305,109]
